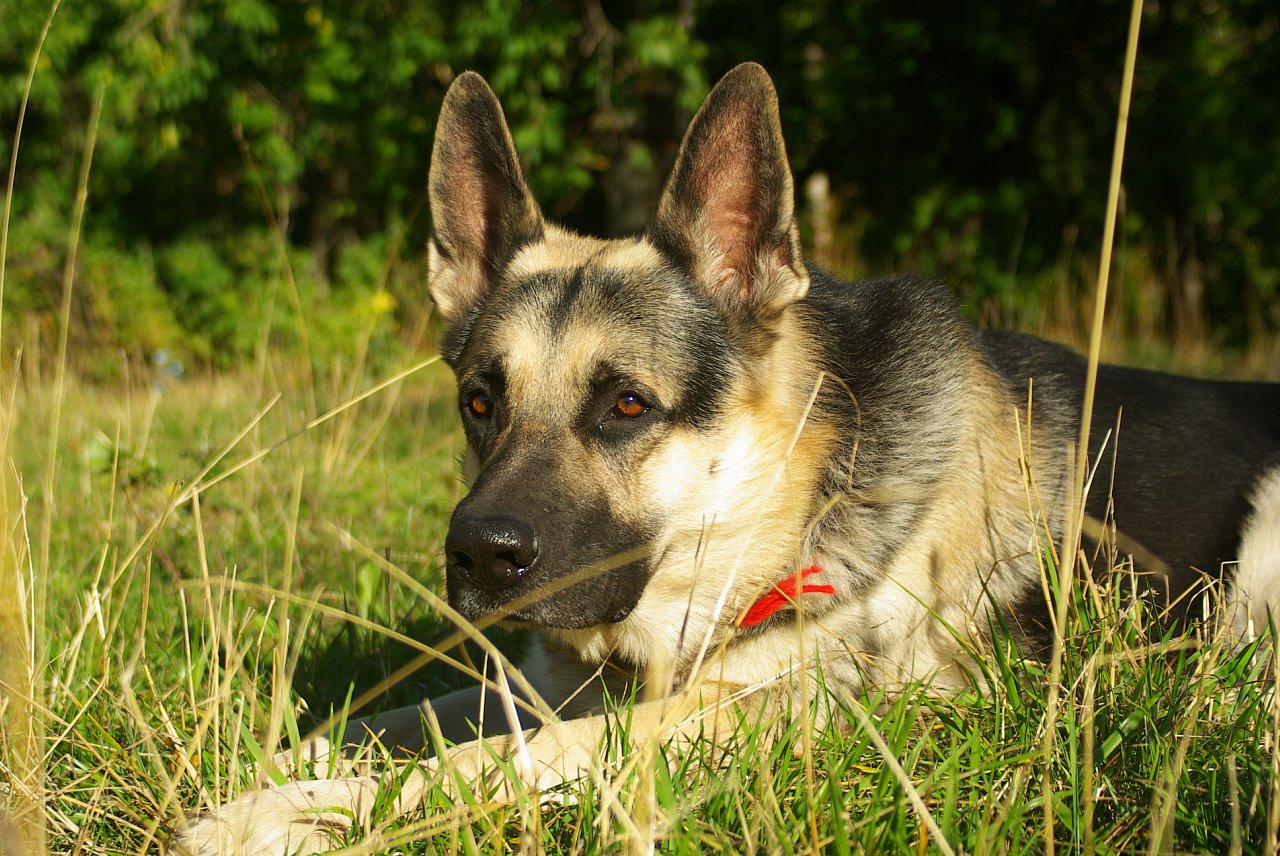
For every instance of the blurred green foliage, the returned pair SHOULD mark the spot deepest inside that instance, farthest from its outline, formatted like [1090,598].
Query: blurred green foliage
[970,141]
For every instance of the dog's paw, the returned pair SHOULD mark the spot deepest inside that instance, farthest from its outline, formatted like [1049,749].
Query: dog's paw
[300,817]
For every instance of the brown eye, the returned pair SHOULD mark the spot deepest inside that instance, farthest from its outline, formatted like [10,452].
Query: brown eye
[479,404]
[629,406]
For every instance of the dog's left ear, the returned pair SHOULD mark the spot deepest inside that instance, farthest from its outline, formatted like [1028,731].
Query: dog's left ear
[728,211]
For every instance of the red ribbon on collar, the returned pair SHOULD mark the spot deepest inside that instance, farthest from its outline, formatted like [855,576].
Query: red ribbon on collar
[783,594]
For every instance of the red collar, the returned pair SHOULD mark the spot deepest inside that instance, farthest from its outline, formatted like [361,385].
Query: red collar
[782,595]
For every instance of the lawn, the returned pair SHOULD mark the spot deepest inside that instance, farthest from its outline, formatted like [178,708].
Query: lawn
[210,564]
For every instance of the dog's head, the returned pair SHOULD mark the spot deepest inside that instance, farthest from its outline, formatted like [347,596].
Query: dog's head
[629,405]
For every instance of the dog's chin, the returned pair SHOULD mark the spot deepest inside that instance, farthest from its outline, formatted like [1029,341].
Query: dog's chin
[547,615]
[540,615]
[575,608]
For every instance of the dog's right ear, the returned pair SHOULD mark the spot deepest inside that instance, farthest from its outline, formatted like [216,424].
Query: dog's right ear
[481,209]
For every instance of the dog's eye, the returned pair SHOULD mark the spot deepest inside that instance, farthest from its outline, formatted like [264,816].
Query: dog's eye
[629,406]
[479,405]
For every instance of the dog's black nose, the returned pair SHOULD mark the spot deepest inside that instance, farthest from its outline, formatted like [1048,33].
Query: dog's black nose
[493,551]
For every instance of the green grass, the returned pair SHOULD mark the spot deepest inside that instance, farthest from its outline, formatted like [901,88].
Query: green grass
[158,683]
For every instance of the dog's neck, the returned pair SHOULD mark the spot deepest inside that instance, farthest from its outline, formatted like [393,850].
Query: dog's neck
[782,595]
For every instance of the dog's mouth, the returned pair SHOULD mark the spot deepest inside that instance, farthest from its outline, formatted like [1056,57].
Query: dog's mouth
[604,592]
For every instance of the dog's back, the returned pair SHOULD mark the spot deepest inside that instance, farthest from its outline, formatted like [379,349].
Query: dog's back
[1175,460]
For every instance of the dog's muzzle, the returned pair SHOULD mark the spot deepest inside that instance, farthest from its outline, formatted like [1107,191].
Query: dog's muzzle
[501,564]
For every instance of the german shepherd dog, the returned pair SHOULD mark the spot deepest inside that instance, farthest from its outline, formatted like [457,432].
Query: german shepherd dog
[697,458]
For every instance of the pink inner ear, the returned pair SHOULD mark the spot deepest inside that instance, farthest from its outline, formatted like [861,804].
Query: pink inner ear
[731,210]
[469,205]
[731,231]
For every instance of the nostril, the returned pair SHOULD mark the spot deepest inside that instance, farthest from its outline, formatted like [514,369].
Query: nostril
[493,553]
[504,570]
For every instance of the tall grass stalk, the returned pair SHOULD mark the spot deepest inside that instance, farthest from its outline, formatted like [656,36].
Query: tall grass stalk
[64,321]
[13,156]
[1076,513]
[36,596]
[22,810]
[21,747]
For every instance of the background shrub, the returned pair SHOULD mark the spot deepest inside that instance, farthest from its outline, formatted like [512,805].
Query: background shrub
[973,144]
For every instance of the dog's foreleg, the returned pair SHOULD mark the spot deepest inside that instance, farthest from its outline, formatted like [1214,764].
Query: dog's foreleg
[564,687]
[406,731]
[312,815]
[317,814]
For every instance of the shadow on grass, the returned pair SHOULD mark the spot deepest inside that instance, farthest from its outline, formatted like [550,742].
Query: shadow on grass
[344,661]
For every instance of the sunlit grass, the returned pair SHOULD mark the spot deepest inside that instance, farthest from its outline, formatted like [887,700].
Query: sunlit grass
[163,685]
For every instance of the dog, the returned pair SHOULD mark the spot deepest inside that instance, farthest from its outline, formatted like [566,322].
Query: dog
[696,459]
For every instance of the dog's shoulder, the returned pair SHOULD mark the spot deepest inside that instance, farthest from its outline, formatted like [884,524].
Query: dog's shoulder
[892,304]
[882,329]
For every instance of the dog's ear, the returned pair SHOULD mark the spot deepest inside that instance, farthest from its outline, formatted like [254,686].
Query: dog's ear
[728,211]
[481,207]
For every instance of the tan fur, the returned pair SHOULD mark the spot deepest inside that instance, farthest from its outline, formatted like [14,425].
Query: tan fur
[562,248]
[729,530]
[977,546]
